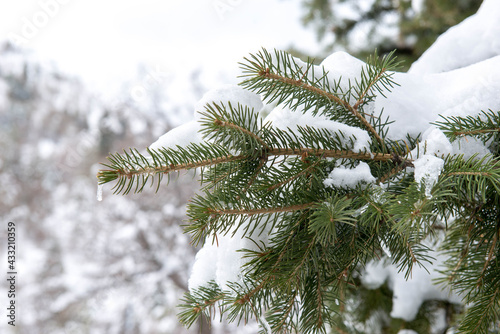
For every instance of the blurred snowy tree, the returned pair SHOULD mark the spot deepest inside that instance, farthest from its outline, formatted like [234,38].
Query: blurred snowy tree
[407,26]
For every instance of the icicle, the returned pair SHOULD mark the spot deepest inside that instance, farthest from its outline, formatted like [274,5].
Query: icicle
[386,249]
[99,192]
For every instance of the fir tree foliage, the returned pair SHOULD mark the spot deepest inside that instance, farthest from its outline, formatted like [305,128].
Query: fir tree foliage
[343,19]
[259,179]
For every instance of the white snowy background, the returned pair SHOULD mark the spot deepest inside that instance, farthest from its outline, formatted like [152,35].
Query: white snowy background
[104,41]
[125,73]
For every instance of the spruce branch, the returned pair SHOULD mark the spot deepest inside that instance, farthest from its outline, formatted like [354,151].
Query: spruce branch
[327,216]
[305,171]
[201,301]
[339,154]
[407,251]
[135,168]
[237,127]
[259,178]
[244,131]
[279,77]
[484,126]
[220,212]
[234,134]
[267,75]
[395,171]
[376,76]
[482,317]
[259,211]
[472,176]
[491,251]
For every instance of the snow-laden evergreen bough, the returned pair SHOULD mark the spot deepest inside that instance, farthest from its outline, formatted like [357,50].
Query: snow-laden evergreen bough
[341,176]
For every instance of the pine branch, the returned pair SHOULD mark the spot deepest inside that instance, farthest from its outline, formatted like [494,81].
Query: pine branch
[484,126]
[259,211]
[231,129]
[488,259]
[237,127]
[266,74]
[331,154]
[481,317]
[200,302]
[395,171]
[325,219]
[281,78]
[305,171]
[262,179]
[472,177]
[135,168]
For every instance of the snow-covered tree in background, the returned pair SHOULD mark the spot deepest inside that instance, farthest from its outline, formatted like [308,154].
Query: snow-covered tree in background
[407,26]
[355,199]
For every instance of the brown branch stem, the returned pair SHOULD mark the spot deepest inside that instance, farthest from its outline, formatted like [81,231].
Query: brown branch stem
[173,168]
[246,297]
[474,132]
[129,173]
[340,154]
[488,260]
[251,212]
[470,173]
[362,95]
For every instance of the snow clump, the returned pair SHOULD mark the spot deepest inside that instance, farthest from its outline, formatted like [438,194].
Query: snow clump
[343,177]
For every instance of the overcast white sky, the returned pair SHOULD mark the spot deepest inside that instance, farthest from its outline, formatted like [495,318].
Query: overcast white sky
[103,41]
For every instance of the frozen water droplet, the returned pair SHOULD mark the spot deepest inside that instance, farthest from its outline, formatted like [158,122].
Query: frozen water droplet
[386,249]
[99,192]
